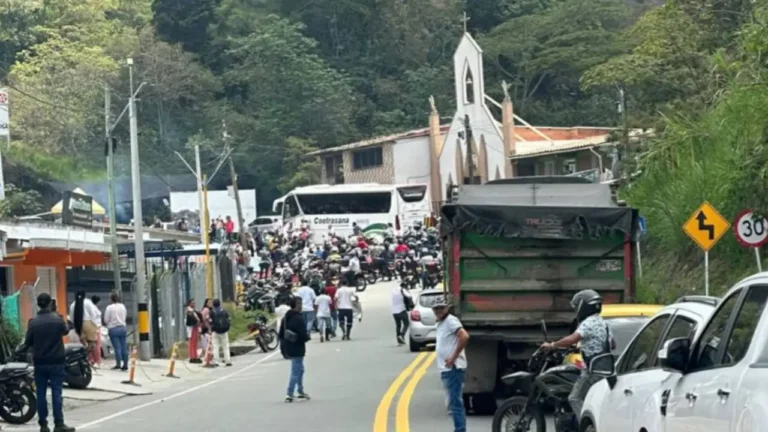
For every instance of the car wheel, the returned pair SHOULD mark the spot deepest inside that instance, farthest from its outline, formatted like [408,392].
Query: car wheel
[590,428]
[413,345]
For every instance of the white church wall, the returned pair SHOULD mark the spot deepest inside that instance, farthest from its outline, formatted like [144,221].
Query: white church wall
[469,56]
[411,158]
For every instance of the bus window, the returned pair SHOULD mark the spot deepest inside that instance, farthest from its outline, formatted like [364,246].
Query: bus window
[347,203]
[291,208]
[412,194]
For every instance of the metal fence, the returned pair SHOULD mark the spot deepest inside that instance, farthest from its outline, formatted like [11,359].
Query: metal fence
[173,288]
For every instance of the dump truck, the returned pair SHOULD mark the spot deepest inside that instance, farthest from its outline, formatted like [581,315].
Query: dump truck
[516,251]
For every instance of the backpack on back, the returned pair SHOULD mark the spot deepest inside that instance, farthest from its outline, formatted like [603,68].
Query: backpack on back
[220,321]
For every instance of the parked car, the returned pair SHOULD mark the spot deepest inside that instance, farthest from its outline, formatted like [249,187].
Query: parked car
[423,323]
[264,223]
[630,399]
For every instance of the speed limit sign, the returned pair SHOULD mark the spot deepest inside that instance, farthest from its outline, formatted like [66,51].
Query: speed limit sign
[751,231]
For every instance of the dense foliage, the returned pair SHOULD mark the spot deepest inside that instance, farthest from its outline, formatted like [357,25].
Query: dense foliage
[285,77]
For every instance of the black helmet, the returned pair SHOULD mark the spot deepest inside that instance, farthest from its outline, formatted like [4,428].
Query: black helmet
[586,303]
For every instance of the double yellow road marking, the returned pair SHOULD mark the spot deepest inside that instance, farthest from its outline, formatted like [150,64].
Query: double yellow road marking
[415,370]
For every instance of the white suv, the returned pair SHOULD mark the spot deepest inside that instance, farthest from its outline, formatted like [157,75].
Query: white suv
[629,401]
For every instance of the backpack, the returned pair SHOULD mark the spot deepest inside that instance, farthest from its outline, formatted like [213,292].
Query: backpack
[407,300]
[220,321]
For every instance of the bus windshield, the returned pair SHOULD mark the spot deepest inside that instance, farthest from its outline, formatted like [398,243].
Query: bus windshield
[346,203]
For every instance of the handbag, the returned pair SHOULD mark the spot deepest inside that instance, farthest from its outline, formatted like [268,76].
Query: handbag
[289,335]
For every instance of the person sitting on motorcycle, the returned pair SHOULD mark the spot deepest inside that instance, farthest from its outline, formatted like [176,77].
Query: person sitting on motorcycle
[401,247]
[334,255]
[595,337]
[287,272]
[356,230]
[361,243]
[390,231]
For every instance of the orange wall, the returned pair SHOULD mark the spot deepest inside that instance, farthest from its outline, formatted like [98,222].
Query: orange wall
[28,273]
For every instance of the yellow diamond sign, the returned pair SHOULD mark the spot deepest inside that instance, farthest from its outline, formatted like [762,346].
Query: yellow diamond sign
[706,226]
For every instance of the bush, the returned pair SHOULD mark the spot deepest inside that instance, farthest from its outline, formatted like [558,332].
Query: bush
[718,157]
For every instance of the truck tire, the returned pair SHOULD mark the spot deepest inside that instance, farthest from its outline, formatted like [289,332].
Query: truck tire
[480,403]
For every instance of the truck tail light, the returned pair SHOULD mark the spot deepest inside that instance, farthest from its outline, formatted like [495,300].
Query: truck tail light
[415,315]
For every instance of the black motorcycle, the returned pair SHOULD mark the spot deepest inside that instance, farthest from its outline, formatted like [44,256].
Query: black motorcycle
[549,382]
[18,403]
[266,338]
[78,370]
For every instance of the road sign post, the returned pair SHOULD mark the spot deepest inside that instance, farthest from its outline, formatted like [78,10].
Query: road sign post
[705,227]
[751,231]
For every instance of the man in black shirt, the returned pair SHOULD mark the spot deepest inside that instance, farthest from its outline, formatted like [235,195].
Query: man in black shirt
[44,337]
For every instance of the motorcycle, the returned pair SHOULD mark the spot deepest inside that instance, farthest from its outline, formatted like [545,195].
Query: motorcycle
[550,378]
[266,338]
[433,275]
[19,403]
[77,368]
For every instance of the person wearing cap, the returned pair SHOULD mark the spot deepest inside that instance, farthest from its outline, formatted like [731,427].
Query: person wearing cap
[44,337]
[451,340]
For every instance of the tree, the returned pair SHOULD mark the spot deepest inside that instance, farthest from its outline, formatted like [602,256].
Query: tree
[298,169]
[185,22]
[18,202]
[544,59]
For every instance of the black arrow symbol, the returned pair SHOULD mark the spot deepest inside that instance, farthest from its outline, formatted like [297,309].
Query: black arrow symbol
[701,217]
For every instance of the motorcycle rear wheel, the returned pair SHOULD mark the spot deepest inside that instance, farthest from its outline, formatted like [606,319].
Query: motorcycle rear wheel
[23,397]
[77,379]
[360,284]
[510,412]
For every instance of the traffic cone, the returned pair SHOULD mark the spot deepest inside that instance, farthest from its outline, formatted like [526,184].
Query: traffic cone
[132,369]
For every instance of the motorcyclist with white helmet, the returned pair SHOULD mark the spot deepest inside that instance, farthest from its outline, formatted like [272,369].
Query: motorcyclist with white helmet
[595,337]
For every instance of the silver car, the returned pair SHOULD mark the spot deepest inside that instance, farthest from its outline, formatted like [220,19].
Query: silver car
[423,321]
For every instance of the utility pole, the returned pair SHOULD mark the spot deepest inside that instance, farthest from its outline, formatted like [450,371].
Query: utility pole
[145,352]
[198,176]
[233,174]
[111,186]
[207,241]
[623,112]
[470,161]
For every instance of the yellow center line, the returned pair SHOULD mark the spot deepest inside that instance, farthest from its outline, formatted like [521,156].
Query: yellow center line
[382,412]
[402,420]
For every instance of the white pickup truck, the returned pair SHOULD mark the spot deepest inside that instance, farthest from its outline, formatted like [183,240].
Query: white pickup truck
[719,381]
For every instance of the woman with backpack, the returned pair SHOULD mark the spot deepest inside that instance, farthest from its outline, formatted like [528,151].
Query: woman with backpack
[220,324]
[293,342]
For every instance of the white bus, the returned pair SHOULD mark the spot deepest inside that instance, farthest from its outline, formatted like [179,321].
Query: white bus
[371,206]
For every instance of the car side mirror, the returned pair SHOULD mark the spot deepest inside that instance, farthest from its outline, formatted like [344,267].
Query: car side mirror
[603,365]
[674,355]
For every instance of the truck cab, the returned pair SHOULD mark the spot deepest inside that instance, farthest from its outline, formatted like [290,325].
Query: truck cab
[517,251]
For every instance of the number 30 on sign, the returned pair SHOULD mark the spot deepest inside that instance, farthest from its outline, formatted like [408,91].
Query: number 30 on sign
[750,231]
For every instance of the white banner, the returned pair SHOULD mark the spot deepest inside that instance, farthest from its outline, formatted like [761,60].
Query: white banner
[5,123]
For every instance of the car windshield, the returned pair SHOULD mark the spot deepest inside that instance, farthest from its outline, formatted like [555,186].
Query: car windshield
[429,300]
[624,329]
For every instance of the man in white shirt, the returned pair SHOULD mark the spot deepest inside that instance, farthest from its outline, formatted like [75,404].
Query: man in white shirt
[451,339]
[308,297]
[402,302]
[323,305]
[345,307]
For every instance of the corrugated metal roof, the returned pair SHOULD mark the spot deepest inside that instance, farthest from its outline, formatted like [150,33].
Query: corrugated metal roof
[416,133]
[527,149]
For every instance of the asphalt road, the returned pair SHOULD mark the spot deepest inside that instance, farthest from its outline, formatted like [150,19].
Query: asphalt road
[366,384]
